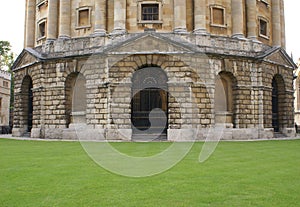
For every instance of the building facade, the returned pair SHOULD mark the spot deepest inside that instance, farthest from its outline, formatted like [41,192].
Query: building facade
[5,78]
[173,69]
[297,96]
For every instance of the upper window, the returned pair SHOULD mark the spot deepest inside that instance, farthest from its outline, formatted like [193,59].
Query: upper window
[266,2]
[263,28]
[149,12]
[42,26]
[42,4]
[217,15]
[83,17]
[5,84]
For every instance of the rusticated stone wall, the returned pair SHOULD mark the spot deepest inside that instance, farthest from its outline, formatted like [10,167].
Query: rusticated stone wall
[191,70]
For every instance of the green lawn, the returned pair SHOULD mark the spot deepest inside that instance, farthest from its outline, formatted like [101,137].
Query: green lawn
[36,173]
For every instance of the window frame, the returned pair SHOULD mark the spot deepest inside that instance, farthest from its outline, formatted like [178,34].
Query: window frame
[266,2]
[39,36]
[41,3]
[267,35]
[139,9]
[212,7]
[78,10]
[5,84]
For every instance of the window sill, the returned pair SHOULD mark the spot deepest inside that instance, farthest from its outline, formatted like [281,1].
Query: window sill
[219,25]
[41,38]
[83,27]
[264,36]
[150,22]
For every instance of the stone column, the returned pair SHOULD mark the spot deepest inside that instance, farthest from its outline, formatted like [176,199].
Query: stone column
[180,16]
[283,43]
[276,27]
[119,17]
[200,16]
[65,19]
[100,17]
[52,20]
[237,18]
[30,23]
[251,19]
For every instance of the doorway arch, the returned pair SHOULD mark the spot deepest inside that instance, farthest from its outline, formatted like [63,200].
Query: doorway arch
[278,102]
[27,103]
[149,103]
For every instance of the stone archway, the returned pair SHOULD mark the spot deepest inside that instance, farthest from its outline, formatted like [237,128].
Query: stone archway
[278,103]
[27,103]
[149,104]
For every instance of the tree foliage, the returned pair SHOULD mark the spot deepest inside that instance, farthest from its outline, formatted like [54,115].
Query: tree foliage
[6,55]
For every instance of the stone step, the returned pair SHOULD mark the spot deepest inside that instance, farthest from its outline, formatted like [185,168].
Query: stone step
[27,134]
[279,135]
[149,137]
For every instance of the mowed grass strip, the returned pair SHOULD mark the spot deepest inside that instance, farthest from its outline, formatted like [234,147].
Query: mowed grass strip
[264,173]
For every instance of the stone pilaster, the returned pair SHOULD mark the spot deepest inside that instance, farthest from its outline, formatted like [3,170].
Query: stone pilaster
[283,43]
[30,23]
[251,19]
[237,18]
[65,19]
[100,17]
[119,17]
[200,16]
[52,20]
[180,16]
[276,23]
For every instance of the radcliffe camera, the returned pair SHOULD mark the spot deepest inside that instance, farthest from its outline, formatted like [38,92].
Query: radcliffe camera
[105,66]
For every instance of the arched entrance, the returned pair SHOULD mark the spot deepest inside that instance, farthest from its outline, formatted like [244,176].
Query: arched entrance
[278,103]
[27,102]
[149,104]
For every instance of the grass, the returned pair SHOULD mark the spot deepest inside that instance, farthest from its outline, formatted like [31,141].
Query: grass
[265,173]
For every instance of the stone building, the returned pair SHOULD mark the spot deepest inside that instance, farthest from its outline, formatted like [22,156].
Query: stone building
[173,69]
[297,96]
[5,78]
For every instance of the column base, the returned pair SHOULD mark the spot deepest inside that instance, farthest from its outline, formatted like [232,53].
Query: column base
[239,36]
[254,39]
[64,37]
[118,31]
[99,33]
[50,40]
[180,31]
[200,32]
